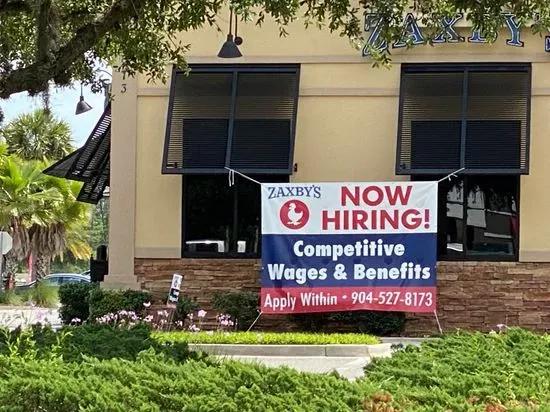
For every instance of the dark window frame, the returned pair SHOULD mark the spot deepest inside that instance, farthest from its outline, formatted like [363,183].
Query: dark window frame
[464,68]
[232,253]
[235,70]
[464,256]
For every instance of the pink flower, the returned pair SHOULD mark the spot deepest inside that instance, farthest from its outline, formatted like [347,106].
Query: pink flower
[201,313]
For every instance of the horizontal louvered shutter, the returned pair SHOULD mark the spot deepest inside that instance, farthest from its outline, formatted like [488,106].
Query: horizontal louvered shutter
[472,117]
[429,136]
[198,124]
[435,144]
[497,124]
[264,115]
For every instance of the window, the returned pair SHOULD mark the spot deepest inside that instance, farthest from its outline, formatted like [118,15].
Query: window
[223,220]
[242,117]
[474,117]
[490,204]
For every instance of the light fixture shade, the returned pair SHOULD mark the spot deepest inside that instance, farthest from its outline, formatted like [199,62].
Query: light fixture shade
[82,106]
[229,49]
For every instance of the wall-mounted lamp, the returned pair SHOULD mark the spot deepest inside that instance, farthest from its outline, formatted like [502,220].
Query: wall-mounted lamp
[82,106]
[230,49]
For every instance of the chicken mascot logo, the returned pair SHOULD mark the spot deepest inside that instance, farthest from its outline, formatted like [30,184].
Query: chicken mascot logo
[294,214]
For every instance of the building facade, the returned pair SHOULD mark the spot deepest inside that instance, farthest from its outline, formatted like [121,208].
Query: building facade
[311,108]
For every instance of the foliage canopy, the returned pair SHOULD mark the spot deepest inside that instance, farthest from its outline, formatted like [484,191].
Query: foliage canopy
[62,40]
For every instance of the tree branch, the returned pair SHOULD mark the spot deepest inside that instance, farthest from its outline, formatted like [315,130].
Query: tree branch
[14,6]
[34,78]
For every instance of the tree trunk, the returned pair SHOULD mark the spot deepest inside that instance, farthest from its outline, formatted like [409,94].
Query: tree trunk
[9,267]
[42,266]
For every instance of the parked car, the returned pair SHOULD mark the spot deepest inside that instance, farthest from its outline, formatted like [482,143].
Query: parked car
[58,279]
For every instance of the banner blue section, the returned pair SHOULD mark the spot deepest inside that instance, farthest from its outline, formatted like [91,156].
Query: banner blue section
[381,260]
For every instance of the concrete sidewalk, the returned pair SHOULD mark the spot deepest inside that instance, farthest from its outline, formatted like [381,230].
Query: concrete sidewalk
[347,360]
[349,367]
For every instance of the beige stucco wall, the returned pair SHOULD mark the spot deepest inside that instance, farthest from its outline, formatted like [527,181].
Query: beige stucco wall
[346,127]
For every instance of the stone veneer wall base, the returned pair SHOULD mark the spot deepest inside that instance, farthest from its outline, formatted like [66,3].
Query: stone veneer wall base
[471,295]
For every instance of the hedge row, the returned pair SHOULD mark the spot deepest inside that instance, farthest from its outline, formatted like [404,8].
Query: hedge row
[89,302]
[462,372]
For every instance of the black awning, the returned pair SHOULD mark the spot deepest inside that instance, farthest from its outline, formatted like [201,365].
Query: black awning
[93,191]
[90,163]
[62,167]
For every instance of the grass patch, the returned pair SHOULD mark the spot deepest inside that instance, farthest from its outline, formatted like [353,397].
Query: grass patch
[469,372]
[11,298]
[267,338]
[42,295]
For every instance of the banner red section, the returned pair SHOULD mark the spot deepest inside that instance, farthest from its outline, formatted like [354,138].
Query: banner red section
[331,299]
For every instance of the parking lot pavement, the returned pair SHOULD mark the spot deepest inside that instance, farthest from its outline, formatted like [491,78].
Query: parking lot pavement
[12,317]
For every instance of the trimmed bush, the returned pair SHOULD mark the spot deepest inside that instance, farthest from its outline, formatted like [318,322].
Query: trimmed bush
[157,384]
[267,338]
[469,372]
[243,307]
[104,301]
[74,299]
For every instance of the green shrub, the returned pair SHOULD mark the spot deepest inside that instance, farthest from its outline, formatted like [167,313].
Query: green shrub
[43,295]
[158,384]
[11,298]
[94,340]
[310,322]
[469,372]
[267,338]
[184,307]
[243,307]
[74,299]
[373,322]
[376,323]
[104,301]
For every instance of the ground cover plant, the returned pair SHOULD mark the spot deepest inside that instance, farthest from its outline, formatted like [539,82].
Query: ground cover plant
[75,344]
[494,372]
[267,338]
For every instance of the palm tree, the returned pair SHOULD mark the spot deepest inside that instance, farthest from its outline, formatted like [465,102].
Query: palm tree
[41,213]
[24,201]
[65,230]
[38,136]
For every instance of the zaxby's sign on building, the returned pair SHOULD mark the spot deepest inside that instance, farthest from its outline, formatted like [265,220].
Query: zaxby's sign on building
[349,246]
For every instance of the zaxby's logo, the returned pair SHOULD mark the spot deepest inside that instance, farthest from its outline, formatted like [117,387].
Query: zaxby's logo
[294,191]
[294,214]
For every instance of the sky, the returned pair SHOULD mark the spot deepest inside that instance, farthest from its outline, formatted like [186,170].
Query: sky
[63,104]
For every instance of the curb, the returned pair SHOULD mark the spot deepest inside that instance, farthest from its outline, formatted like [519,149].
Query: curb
[351,351]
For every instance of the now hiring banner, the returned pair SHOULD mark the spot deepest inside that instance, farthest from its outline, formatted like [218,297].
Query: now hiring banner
[349,246]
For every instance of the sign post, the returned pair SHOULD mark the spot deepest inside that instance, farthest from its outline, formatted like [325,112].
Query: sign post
[174,294]
[330,247]
[6,243]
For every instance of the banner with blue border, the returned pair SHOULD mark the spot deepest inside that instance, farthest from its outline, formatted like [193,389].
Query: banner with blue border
[348,246]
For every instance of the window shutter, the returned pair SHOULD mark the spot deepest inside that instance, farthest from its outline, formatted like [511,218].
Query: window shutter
[198,122]
[430,122]
[240,116]
[464,116]
[497,123]
[264,119]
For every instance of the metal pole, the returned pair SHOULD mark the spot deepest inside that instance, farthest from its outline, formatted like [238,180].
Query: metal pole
[2,261]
